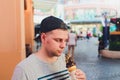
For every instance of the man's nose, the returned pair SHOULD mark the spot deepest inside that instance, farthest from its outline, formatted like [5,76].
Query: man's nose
[63,45]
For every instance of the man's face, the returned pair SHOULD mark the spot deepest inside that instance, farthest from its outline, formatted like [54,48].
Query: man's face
[55,42]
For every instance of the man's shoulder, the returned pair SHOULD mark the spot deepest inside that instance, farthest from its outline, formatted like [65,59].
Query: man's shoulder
[27,61]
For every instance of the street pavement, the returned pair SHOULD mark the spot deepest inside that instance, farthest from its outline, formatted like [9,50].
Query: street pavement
[95,68]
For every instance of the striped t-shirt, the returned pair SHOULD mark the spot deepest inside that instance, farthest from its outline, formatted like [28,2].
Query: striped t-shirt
[33,68]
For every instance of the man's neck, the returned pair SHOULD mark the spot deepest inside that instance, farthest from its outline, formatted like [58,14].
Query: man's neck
[42,55]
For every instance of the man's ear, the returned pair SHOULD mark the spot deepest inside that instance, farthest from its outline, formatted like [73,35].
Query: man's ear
[43,36]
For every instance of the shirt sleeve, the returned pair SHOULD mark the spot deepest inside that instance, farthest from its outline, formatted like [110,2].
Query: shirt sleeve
[19,74]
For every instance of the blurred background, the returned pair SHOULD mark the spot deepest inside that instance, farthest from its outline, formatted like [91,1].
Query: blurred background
[79,14]
[19,21]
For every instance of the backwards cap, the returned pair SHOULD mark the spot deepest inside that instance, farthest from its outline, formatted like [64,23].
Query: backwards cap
[51,23]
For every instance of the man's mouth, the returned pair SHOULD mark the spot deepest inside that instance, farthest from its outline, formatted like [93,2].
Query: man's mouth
[59,51]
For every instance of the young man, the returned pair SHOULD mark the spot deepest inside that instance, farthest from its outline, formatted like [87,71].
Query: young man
[49,62]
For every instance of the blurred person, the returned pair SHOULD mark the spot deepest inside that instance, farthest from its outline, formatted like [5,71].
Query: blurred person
[37,40]
[72,42]
[84,34]
[100,46]
[81,35]
[88,35]
[49,62]
[28,50]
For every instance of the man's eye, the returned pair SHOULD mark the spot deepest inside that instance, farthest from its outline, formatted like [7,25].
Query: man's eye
[58,40]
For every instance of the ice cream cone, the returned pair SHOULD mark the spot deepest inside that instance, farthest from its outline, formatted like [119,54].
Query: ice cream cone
[70,63]
[72,71]
[72,68]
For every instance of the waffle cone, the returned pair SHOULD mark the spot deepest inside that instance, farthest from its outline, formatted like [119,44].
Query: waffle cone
[72,68]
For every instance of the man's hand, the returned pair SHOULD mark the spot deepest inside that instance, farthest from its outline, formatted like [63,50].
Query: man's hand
[80,75]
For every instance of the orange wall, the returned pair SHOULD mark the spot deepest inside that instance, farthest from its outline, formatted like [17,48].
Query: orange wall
[29,25]
[12,36]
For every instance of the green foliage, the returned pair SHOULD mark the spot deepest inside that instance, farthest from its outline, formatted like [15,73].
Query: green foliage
[95,35]
[115,46]
[101,28]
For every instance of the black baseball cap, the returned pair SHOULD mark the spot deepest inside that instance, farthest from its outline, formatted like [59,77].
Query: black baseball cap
[51,23]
